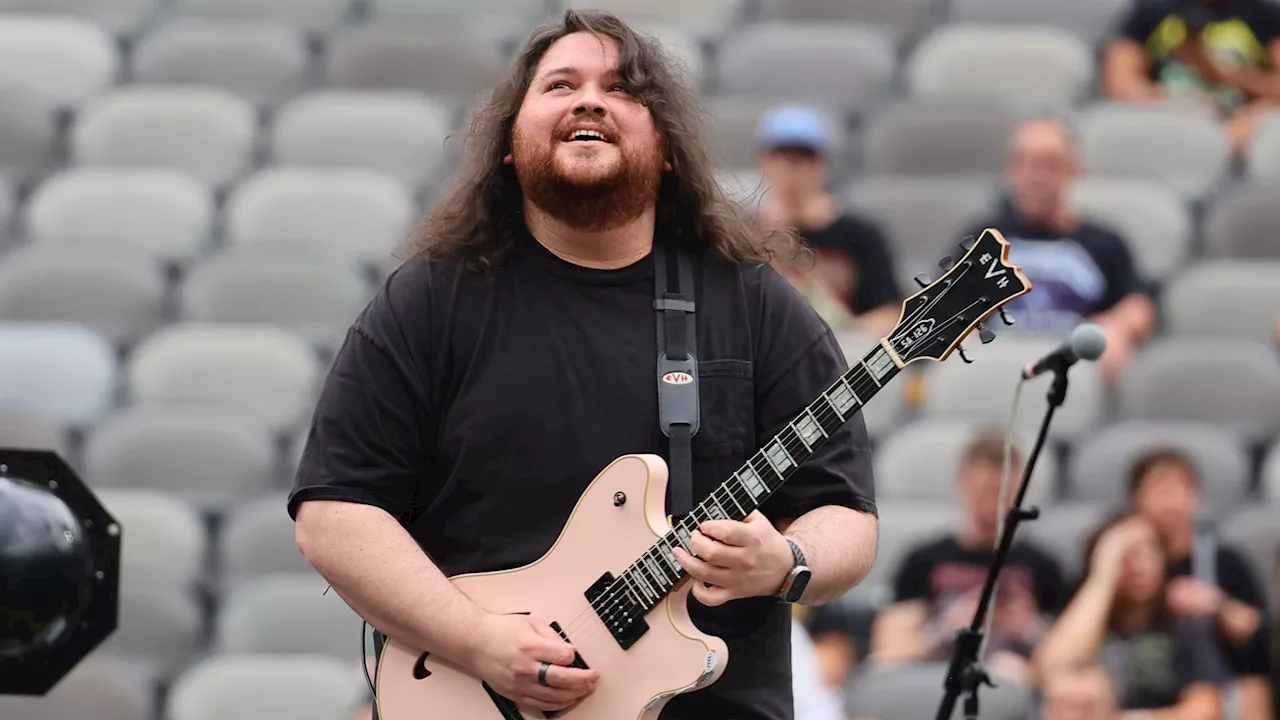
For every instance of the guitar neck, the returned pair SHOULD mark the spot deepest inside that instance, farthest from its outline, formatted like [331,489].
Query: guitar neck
[657,572]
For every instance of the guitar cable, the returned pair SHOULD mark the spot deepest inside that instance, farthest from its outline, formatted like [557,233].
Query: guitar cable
[1005,477]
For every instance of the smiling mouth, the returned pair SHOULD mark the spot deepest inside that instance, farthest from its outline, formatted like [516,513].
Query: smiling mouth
[587,136]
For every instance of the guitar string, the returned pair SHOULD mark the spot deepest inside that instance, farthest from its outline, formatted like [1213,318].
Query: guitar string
[622,585]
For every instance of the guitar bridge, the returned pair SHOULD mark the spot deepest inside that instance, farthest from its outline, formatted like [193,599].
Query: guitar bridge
[620,614]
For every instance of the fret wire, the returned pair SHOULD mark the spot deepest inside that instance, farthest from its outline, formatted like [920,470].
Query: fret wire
[729,492]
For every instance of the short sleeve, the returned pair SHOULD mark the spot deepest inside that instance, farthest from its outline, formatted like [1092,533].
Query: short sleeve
[877,274]
[1118,267]
[800,359]
[1237,579]
[1051,584]
[911,580]
[1267,28]
[1198,658]
[369,433]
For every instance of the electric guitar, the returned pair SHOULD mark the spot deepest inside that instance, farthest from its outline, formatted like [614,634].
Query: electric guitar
[610,584]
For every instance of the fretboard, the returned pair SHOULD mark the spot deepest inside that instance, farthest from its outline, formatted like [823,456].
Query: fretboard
[656,573]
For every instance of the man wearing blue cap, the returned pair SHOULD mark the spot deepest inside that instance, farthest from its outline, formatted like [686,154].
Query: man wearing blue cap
[852,283]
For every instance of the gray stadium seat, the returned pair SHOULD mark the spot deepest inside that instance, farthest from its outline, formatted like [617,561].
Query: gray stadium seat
[63,373]
[264,63]
[1090,20]
[28,431]
[65,59]
[1255,532]
[921,461]
[1038,67]
[903,18]
[984,390]
[206,131]
[268,371]
[317,15]
[117,295]
[706,18]
[287,614]
[912,692]
[1229,382]
[352,212]
[257,539]
[1239,298]
[886,411]
[160,626]
[200,455]
[843,64]
[1262,155]
[1152,219]
[442,62]
[8,202]
[1100,464]
[165,211]
[895,202]
[904,524]
[1186,149]
[398,133]
[121,17]
[27,133]
[267,687]
[1242,222]
[162,539]
[500,14]
[1270,480]
[1062,529]
[939,136]
[97,688]
[315,296]
[734,124]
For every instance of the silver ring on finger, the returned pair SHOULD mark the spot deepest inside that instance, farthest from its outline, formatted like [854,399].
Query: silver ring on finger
[542,673]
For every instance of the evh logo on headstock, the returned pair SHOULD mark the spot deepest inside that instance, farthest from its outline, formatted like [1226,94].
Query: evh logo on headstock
[995,269]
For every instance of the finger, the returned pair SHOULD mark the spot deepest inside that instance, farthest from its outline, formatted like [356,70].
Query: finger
[571,678]
[700,570]
[711,596]
[713,552]
[555,650]
[729,532]
[546,699]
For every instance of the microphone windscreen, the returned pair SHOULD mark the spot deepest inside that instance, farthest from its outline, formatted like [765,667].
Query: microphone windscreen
[1088,342]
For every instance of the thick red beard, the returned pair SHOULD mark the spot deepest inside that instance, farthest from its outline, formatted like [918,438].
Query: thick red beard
[607,201]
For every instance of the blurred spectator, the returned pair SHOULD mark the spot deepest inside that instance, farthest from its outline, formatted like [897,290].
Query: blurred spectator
[1208,580]
[835,630]
[1222,54]
[1079,693]
[939,583]
[814,700]
[1119,618]
[850,278]
[1080,271]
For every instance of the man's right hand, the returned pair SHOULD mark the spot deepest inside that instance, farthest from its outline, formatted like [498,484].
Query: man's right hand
[508,650]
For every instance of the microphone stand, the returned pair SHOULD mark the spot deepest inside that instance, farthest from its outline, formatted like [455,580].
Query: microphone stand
[965,674]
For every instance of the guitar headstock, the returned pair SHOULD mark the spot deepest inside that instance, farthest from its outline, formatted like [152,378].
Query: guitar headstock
[936,319]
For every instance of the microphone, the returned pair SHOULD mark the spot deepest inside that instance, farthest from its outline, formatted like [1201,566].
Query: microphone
[1087,342]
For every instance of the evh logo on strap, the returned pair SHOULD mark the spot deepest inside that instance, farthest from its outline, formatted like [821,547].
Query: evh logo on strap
[677,378]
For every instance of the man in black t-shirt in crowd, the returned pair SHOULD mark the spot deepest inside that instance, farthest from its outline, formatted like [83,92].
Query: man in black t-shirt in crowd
[1223,55]
[938,585]
[512,358]
[850,280]
[1081,271]
[1212,581]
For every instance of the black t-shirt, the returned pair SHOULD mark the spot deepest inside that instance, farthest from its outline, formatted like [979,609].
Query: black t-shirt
[1075,276]
[1237,31]
[942,571]
[1235,578]
[478,411]
[860,246]
[1151,668]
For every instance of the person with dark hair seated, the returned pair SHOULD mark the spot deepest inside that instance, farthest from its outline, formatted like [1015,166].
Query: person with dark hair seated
[1207,579]
[1163,666]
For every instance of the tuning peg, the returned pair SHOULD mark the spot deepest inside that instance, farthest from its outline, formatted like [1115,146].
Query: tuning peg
[945,263]
[922,280]
[964,356]
[984,334]
[967,243]
[1004,315]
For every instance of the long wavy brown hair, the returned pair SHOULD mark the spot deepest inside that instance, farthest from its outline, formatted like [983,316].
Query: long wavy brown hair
[478,218]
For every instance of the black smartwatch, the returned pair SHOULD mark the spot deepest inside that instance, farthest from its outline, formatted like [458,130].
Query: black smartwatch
[794,584]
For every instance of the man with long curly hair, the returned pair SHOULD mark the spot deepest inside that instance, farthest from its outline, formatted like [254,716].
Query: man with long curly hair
[512,357]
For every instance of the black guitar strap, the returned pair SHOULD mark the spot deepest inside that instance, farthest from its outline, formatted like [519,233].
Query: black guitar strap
[678,411]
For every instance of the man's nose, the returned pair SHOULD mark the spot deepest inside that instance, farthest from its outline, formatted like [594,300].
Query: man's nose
[590,100]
